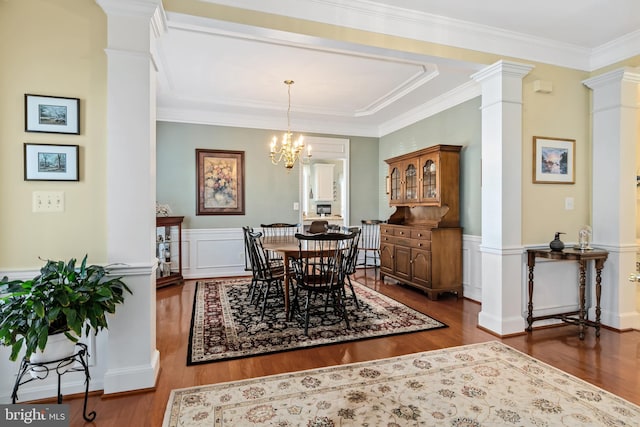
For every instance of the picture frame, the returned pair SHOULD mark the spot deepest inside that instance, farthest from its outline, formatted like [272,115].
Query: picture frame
[220,182]
[51,162]
[51,114]
[554,160]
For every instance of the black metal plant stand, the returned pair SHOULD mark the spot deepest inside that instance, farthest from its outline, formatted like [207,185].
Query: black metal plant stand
[61,367]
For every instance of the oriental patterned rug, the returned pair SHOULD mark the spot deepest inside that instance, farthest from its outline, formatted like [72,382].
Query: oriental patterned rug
[479,385]
[226,325]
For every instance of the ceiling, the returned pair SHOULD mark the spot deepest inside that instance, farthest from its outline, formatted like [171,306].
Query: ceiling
[221,73]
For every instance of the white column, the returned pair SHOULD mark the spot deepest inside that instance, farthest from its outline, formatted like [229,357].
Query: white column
[133,360]
[501,246]
[616,135]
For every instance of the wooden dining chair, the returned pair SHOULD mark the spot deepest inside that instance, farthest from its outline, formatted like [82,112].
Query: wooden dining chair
[370,242]
[319,271]
[318,226]
[268,276]
[279,230]
[350,263]
[248,265]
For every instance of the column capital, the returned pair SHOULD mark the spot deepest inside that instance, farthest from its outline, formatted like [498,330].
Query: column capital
[130,7]
[506,68]
[146,9]
[625,74]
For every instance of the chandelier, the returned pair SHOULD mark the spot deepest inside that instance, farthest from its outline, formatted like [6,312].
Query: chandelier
[288,150]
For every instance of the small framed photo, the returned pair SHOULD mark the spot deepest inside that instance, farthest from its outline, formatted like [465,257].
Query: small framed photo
[220,182]
[554,160]
[48,162]
[51,114]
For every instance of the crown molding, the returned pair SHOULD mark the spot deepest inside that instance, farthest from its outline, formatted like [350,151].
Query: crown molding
[615,51]
[437,105]
[214,117]
[392,20]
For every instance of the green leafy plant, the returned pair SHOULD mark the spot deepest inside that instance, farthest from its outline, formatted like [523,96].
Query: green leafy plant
[62,298]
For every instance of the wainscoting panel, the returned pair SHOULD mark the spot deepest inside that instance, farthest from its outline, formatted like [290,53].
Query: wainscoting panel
[219,252]
[472,267]
[216,252]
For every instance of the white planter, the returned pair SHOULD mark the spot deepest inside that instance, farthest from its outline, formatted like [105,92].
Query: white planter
[58,347]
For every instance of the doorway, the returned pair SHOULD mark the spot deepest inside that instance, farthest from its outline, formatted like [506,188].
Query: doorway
[324,181]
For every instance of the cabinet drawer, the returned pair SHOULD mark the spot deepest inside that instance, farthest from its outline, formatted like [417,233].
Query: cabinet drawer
[402,232]
[387,239]
[421,244]
[421,234]
[395,240]
[402,241]
[384,230]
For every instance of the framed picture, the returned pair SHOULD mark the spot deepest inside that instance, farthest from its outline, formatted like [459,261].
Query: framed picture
[220,182]
[51,114]
[554,160]
[43,162]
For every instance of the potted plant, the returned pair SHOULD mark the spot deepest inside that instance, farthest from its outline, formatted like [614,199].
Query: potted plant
[62,299]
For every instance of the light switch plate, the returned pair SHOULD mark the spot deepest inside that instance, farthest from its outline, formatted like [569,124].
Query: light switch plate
[48,201]
[568,203]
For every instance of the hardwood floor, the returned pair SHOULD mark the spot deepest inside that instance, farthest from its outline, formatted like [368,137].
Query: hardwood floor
[611,362]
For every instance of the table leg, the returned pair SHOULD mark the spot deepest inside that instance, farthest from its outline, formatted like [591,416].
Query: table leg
[287,276]
[531,263]
[582,299]
[599,266]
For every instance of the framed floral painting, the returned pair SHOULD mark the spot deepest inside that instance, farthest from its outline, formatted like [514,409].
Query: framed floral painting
[220,182]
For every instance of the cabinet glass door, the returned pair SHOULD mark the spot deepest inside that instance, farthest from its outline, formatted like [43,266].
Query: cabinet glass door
[395,185]
[411,182]
[429,179]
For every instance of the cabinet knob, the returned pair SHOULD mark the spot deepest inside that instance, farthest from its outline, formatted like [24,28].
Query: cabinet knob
[420,244]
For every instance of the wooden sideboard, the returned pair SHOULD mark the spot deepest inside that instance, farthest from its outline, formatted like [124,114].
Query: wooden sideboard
[421,243]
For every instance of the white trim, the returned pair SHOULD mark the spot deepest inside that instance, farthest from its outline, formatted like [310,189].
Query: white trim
[132,377]
[371,16]
[462,93]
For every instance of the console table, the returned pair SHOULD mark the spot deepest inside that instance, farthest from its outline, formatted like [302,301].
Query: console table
[598,256]
[40,371]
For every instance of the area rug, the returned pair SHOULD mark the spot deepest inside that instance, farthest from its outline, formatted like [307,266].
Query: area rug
[226,325]
[479,385]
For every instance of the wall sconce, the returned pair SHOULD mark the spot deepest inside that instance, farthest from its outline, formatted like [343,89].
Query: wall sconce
[387,184]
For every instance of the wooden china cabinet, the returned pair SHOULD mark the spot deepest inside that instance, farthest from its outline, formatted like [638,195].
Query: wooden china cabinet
[421,243]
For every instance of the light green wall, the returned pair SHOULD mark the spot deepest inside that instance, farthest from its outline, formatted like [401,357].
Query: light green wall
[270,191]
[52,48]
[460,125]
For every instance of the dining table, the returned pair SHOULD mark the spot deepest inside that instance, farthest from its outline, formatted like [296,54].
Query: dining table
[289,248]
